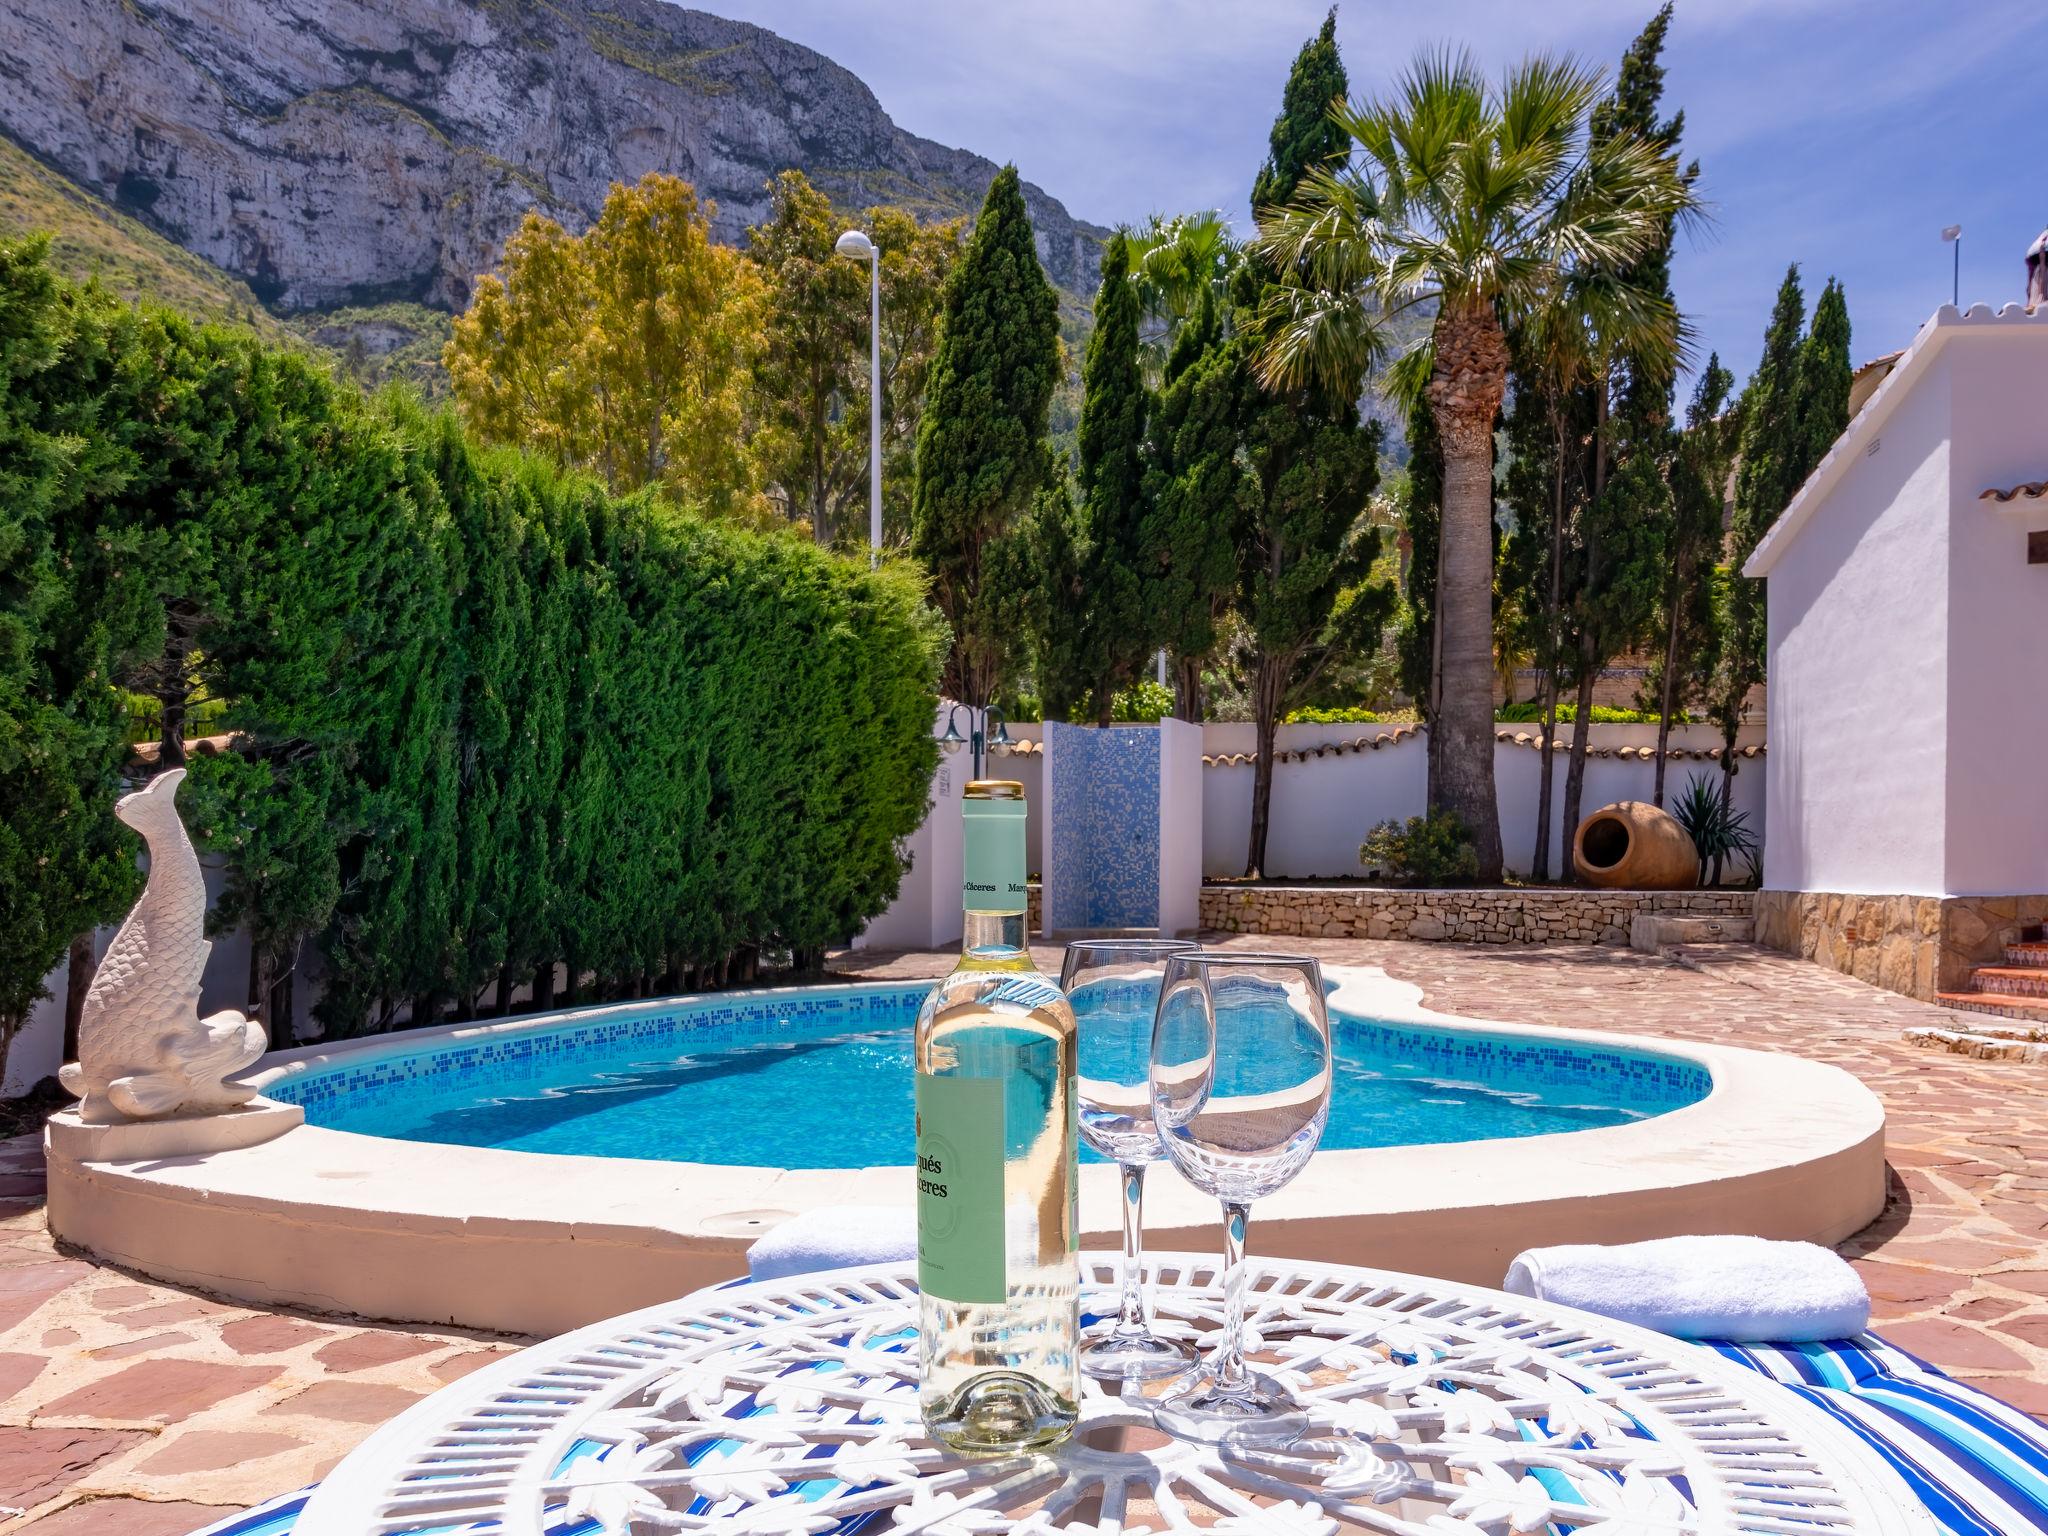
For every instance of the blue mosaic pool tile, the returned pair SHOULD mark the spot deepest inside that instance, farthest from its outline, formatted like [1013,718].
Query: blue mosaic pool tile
[521,1056]
[1105,827]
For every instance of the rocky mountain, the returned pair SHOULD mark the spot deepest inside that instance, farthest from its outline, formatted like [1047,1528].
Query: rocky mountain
[360,152]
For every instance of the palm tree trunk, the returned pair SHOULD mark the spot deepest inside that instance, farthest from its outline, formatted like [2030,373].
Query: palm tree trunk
[1268,675]
[1465,394]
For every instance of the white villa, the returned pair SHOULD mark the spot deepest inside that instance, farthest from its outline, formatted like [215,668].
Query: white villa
[1908,603]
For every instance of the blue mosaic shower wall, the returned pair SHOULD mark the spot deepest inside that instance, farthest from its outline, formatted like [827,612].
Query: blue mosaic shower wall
[1103,863]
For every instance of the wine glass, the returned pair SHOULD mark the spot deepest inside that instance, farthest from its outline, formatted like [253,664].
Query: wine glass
[1240,1092]
[1113,985]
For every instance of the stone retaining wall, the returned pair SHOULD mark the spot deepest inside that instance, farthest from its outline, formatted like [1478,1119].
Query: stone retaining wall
[1919,945]
[1458,916]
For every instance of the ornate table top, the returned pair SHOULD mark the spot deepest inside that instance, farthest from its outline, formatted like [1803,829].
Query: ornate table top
[1436,1410]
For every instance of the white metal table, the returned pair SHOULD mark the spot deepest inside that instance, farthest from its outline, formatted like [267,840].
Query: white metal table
[1436,1410]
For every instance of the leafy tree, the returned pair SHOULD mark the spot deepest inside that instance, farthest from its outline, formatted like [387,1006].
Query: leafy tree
[1198,496]
[624,350]
[1475,198]
[811,374]
[917,261]
[981,450]
[813,355]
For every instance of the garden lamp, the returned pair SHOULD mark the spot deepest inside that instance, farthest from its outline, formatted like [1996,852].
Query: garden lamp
[854,243]
[952,741]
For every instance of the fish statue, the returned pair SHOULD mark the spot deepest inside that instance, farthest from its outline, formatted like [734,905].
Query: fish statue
[143,1050]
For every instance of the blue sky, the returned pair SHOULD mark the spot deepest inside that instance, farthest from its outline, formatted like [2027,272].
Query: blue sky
[1839,135]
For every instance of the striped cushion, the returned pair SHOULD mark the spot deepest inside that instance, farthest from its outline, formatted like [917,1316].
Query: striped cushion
[275,1518]
[1981,1466]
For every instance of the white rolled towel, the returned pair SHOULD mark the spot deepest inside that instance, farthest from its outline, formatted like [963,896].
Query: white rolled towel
[1743,1289]
[834,1237]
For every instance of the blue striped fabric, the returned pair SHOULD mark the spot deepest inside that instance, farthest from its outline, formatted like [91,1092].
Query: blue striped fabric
[1981,1466]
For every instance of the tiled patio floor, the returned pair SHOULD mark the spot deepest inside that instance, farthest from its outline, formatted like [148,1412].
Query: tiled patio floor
[129,1408]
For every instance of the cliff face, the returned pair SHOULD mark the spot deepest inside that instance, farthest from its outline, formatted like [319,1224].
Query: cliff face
[351,151]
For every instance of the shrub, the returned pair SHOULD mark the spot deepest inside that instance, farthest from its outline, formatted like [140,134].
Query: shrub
[1141,703]
[1342,716]
[1530,712]
[1436,849]
[1718,831]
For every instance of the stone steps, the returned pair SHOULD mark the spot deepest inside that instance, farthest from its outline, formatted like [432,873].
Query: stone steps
[2003,1005]
[1651,932]
[2011,980]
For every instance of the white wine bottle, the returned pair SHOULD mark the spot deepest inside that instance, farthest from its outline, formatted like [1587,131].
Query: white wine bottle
[996,1137]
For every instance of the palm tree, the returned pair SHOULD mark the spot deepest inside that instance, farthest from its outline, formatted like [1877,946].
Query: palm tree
[1478,199]
[1174,261]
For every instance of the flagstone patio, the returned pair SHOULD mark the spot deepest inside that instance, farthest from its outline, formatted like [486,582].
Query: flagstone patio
[129,1408]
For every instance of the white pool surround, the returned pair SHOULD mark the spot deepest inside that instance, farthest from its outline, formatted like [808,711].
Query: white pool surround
[535,1243]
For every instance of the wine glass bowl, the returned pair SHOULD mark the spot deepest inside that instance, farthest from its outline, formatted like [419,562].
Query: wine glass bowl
[1113,988]
[1240,1078]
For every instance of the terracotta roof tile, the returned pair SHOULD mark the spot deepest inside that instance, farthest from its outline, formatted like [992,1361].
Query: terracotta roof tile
[2028,490]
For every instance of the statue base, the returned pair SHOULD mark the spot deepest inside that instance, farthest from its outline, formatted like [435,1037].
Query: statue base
[247,1125]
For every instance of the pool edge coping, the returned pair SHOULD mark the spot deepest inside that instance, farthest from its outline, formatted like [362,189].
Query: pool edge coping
[530,1242]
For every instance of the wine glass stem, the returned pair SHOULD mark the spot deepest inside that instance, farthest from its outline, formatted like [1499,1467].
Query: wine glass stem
[1228,1366]
[1130,1321]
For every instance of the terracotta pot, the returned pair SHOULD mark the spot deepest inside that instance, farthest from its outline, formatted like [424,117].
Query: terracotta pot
[1632,846]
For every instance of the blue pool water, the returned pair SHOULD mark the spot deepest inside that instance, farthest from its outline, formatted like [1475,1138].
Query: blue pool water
[822,1079]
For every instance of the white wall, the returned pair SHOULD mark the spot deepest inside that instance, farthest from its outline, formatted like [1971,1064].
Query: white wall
[1996,677]
[1859,610]
[1323,808]
[1180,827]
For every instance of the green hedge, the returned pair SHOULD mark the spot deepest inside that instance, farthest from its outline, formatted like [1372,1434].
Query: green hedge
[493,717]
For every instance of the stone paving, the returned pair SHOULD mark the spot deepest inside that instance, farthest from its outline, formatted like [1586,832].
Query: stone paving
[129,1408]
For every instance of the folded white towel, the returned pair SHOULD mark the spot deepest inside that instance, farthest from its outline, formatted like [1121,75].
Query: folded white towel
[834,1237]
[1743,1289]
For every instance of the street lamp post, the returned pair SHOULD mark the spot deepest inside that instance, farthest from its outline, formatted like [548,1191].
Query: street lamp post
[980,738]
[854,243]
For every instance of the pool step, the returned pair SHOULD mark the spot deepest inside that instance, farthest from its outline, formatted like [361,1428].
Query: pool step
[1651,932]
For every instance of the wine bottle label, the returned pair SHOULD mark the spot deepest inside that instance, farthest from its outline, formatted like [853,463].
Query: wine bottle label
[992,856]
[960,1189]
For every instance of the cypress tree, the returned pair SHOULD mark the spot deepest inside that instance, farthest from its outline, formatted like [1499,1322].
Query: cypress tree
[1699,478]
[1311,467]
[1825,373]
[1197,498]
[1303,136]
[1767,473]
[1116,618]
[981,450]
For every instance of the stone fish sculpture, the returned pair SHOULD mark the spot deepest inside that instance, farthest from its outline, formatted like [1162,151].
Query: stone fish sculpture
[143,1050]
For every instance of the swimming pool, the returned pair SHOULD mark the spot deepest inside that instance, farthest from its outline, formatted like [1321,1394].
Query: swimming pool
[821,1078]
